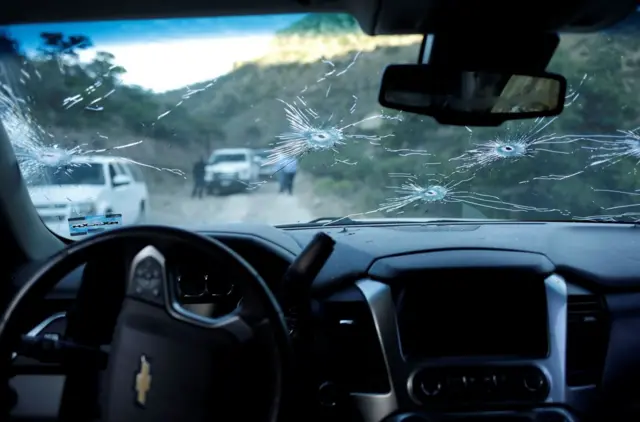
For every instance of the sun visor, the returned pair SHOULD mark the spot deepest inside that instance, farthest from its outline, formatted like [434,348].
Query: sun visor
[401,16]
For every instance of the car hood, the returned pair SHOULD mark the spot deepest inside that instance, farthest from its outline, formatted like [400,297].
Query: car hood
[227,167]
[55,194]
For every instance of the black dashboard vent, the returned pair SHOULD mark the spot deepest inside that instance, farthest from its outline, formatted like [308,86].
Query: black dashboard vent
[587,338]
[354,359]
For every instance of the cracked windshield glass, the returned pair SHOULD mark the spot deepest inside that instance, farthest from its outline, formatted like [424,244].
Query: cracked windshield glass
[275,119]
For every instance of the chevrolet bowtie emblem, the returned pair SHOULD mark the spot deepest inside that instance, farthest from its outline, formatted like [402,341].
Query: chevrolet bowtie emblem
[143,381]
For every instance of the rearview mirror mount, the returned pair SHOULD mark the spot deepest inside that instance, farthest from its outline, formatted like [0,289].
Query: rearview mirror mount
[472,97]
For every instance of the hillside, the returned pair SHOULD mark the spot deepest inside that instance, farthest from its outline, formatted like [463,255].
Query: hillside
[244,104]
[322,24]
[243,107]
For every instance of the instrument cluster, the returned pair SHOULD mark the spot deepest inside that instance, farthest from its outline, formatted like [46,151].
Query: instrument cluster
[205,287]
[202,284]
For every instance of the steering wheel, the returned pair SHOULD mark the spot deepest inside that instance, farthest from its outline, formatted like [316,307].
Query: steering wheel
[166,363]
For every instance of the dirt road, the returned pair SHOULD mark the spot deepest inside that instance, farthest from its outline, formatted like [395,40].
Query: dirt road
[263,205]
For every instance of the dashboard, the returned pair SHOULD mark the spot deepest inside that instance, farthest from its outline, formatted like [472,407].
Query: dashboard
[522,321]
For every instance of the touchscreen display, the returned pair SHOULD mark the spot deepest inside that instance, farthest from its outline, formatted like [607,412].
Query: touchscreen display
[477,316]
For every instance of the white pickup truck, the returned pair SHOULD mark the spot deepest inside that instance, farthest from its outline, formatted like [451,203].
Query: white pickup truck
[231,170]
[92,185]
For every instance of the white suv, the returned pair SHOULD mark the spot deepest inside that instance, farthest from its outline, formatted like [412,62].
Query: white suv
[231,169]
[91,185]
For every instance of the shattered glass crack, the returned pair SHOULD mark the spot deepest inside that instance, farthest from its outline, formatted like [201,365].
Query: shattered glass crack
[514,145]
[633,216]
[612,149]
[36,150]
[309,132]
[443,190]
[307,136]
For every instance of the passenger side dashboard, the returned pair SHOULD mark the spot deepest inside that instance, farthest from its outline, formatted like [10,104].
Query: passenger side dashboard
[441,382]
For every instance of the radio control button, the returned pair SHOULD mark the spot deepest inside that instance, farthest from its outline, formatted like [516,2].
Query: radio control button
[534,381]
[429,385]
[499,383]
[430,388]
[489,383]
[457,384]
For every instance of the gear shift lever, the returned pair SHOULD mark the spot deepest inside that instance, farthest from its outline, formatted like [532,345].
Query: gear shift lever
[303,270]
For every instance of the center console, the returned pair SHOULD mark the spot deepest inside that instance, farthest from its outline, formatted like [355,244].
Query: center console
[467,345]
[462,334]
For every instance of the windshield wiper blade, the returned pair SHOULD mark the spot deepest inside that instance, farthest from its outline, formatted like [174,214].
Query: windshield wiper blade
[347,221]
[330,221]
[342,221]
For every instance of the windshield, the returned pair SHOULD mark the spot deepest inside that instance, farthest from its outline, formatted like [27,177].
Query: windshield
[263,155]
[227,158]
[79,174]
[164,95]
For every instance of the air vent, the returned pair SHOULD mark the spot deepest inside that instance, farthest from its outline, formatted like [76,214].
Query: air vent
[356,361]
[587,338]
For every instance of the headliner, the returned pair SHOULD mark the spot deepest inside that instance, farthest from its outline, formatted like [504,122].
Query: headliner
[376,17]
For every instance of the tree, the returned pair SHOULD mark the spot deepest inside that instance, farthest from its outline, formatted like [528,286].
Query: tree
[7,44]
[10,65]
[103,66]
[54,44]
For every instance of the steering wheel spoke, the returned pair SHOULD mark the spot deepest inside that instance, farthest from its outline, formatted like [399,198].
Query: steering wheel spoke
[147,279]
[162,367]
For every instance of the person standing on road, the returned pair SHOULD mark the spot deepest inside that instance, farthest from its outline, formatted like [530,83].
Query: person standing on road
[282,162]
[198,178]
[289,169]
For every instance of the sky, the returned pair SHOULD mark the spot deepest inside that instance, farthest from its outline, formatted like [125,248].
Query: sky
[166,54]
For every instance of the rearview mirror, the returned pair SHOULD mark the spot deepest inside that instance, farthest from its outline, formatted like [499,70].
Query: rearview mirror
[121,180]
[471,97]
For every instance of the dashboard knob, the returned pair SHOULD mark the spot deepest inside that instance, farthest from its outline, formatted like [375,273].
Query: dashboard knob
[430,387]
[328,394]
[534,381]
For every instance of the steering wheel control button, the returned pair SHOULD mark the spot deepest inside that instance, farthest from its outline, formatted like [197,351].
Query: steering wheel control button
[147,276]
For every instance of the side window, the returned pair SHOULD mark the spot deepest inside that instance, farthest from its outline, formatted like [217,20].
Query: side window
[120,168]
[136,173]
[126,169]
[112,172]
